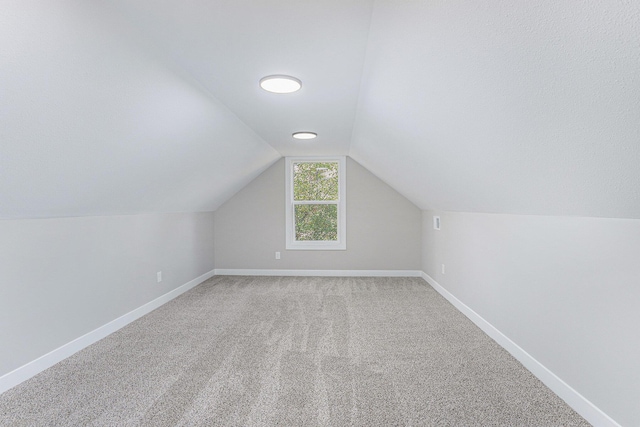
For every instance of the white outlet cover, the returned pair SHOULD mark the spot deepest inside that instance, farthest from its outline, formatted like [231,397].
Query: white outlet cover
[436,223]
[159,276]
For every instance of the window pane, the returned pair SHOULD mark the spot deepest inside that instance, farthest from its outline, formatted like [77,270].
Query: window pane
[315,181]
[316,222]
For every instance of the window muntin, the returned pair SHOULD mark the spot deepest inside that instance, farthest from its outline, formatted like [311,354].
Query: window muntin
[316,203]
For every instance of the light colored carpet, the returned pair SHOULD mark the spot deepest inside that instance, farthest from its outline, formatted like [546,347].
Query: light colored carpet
[292,351]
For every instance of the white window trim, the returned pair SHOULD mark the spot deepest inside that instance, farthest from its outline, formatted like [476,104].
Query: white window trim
[341,243]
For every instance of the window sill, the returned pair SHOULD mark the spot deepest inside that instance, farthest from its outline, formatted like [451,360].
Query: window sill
[316,247]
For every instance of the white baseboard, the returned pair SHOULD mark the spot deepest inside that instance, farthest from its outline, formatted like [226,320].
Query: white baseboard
[33,368]
[579,403]
[332,273]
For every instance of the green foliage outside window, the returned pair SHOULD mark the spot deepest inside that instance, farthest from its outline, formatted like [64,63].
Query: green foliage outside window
[316,222]
[316,181]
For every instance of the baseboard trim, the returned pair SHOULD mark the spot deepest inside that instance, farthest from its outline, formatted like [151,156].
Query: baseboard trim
[579,403]
[23,373]
[332,273]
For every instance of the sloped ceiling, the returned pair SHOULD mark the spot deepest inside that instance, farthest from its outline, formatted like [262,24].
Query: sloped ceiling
[229,45]
[501,106]
[95,121]
[154,106]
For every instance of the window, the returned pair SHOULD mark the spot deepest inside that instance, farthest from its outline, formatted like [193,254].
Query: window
[315,214]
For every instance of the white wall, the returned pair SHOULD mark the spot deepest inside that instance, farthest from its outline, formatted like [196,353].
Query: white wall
[383,227]
[62,278]
[565,289]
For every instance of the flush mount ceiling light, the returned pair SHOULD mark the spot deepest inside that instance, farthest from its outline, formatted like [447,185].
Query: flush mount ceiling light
[280,84]
[304,135]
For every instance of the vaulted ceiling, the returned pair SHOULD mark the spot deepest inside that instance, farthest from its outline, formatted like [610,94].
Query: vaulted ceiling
[483,106]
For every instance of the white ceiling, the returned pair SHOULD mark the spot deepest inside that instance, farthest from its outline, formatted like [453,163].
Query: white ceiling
[501,106]
[154,106]
[229,45]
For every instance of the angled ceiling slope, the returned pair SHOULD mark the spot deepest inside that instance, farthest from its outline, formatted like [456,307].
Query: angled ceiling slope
[485,106]
[229,45]
[94,121]
[493,106]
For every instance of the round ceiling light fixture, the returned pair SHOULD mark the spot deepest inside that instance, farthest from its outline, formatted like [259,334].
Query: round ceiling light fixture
[305,135]
[280,84]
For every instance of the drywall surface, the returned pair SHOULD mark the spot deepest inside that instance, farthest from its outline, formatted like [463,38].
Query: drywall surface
[227,45]
[497,106]
[61,278]
[383,228]
[565,289]
[96,121]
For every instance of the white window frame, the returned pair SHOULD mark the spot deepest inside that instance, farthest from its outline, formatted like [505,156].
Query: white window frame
[341,243]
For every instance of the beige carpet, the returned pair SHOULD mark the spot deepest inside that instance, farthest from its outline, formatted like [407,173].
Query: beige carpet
[292,351]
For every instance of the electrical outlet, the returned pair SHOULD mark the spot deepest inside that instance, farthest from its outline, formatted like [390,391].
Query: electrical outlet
[277,255]
[436,223]
[159,276]
[442,268]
